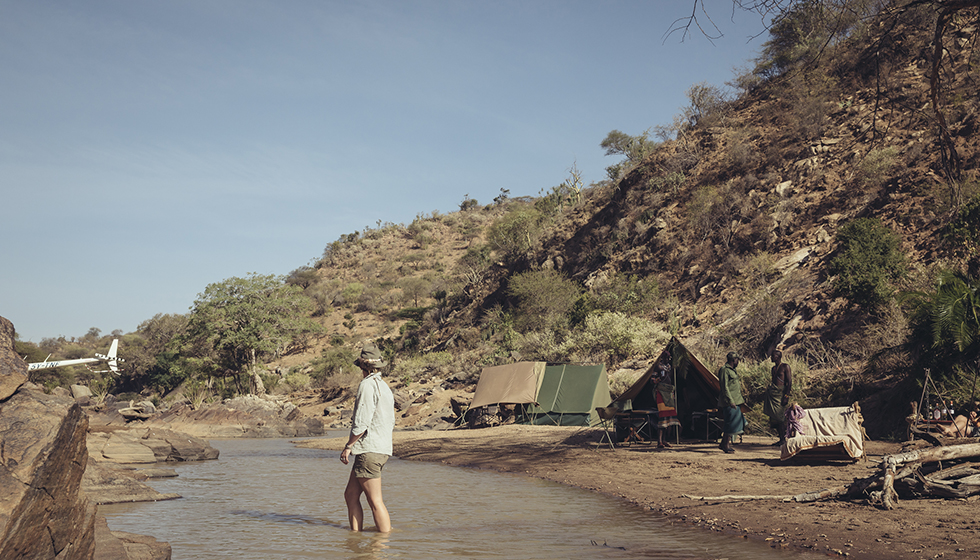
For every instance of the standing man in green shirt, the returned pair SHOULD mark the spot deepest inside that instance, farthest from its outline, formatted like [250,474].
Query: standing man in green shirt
[729,399]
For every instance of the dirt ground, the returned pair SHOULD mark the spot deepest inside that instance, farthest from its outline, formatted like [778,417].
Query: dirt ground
[660,480]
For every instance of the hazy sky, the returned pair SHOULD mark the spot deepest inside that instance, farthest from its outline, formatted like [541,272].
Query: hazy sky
[148,149]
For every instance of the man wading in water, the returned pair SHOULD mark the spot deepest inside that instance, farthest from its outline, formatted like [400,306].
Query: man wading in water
[369,441]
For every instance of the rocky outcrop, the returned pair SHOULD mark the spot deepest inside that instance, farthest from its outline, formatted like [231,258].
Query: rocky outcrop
[13,369]
[120,545]
[44,513]
[249,416]
[148,445]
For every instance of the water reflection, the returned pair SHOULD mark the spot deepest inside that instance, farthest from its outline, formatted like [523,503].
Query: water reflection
[266,499]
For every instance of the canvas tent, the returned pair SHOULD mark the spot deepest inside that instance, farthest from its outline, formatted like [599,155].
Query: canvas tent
[510,384]
[559,394]
[569,395]
[696,386]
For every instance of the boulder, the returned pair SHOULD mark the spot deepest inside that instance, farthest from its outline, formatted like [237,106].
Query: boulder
[80,391]
[106,483]
[148,445]
[123,447]
[43,513]
[13,368]
[119,545]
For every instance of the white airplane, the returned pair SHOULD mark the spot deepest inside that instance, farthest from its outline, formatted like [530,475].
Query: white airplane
[111,358]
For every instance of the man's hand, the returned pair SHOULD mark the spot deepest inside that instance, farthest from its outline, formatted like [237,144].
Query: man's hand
[345,455]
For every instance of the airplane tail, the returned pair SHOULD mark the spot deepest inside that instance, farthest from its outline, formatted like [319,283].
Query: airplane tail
[112,357]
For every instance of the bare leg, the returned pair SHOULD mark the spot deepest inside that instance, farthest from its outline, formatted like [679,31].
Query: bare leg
[372,489]
[352,495]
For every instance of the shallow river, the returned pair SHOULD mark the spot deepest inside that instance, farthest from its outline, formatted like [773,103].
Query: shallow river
[266,499]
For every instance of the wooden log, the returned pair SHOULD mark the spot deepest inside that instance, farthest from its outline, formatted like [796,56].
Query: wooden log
[934,454]
[918,457]
[736,497]
[807,497]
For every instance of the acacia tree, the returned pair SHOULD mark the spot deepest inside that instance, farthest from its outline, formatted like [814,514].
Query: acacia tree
[241,320]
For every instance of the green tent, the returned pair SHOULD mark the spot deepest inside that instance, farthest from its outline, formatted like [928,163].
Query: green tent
[568,396]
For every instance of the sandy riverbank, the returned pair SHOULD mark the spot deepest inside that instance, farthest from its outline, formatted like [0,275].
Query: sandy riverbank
[659,480]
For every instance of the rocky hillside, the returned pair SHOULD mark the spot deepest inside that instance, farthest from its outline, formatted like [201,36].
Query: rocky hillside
[735,218]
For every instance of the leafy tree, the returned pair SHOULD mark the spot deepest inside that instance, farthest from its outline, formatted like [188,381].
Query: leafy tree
[241,320]
[414,287]
[144,348]
[868,261]
[635,148]
[304,277]
[473,266]
[468,203]
[545,299]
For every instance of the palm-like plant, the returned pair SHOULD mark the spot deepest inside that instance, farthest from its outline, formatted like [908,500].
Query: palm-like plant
[950,315]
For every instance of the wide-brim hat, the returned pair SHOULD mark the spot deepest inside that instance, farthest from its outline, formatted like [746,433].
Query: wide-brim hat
[371,357]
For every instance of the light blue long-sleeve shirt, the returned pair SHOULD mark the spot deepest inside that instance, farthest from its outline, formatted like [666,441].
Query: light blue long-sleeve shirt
[374,416]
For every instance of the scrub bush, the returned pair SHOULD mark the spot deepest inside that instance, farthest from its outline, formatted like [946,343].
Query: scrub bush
[868,261]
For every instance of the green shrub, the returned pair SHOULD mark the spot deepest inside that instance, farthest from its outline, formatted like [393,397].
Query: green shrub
[515,233]
[542,346]
[962,235]
[351,293]
[875,169]
[544,298]
[620,293]
[296,381]
[332,361]
[868,261]
[269,381]
[616,336]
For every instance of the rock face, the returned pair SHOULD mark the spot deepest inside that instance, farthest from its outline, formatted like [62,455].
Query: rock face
[43,513]
[13,369]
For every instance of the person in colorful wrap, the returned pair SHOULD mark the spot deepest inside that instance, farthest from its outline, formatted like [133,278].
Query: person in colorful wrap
[369,441]
[777,395]
[664,393]
[729,399]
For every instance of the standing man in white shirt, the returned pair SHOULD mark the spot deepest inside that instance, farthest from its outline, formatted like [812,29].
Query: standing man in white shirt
[369,441]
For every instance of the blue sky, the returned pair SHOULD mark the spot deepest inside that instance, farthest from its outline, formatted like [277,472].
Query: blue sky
[148,149]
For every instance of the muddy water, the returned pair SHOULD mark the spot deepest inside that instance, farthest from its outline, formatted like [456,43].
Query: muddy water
[266,499]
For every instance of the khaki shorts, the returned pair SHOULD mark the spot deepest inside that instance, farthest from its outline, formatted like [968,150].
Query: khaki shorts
[369,465]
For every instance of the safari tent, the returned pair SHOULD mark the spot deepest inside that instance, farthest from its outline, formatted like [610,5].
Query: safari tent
[697,389]
[558,394]
[569,395]
[508,384]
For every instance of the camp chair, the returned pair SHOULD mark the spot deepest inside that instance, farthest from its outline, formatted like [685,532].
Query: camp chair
[607,418]
[634,423]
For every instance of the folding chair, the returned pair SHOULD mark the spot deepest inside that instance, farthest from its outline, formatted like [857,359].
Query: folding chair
[607,418]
